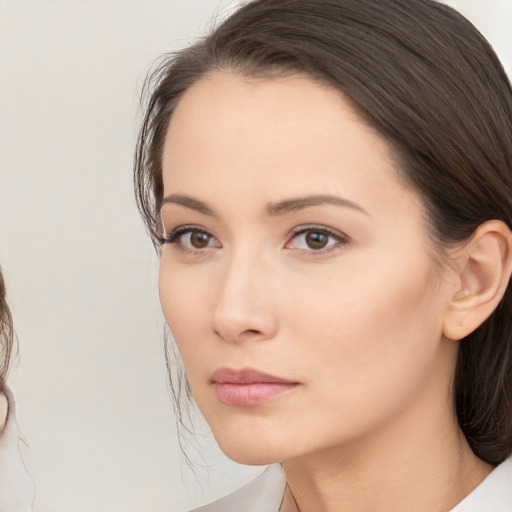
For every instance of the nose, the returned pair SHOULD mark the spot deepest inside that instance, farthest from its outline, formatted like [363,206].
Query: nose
[245,305]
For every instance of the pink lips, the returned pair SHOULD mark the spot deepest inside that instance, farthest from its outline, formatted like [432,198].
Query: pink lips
[248,387]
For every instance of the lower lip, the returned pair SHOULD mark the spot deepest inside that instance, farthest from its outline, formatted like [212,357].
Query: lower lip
[250,395]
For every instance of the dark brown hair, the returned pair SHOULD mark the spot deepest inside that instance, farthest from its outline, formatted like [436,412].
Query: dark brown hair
[6,335]
[426,79]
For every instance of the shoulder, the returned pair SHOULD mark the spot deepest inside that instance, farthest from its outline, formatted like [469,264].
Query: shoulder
[263,494]
[17,489]
[494,494]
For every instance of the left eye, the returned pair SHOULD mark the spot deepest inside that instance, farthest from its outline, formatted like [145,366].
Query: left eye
[315,239]
[191,238]
[197,239]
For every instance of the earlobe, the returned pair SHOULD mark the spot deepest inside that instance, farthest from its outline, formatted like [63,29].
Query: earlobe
[484,269]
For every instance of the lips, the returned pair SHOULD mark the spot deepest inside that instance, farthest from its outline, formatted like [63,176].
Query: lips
[248,387]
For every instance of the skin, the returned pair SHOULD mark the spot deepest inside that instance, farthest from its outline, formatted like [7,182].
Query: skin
[358,324]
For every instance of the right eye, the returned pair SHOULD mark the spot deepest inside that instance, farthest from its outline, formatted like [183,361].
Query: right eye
[191,238]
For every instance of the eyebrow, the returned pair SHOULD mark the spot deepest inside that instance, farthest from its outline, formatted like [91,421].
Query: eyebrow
[189,202]
[273,209]
[298,203]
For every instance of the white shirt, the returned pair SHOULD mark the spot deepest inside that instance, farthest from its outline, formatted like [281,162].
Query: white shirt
[17,490]
[265,493]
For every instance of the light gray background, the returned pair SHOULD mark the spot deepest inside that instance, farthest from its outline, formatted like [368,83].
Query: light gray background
[91,385]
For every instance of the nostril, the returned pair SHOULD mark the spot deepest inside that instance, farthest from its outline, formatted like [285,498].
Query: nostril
[237,319]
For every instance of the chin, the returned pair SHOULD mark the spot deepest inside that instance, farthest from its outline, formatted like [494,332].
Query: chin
[249,452]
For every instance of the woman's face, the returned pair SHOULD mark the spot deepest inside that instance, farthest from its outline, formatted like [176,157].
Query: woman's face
[297,279]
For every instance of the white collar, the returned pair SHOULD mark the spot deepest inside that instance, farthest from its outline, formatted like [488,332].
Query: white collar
[494,494]
[265,493]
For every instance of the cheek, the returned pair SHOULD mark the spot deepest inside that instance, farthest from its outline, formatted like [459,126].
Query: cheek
[377,326]
[183,301]
[367,349]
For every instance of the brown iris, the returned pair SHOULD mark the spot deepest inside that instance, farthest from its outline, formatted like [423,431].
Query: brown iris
[199,240]
[316,240]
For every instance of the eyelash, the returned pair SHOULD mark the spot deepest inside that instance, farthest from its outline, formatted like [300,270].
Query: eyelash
[174,237]
[340,239]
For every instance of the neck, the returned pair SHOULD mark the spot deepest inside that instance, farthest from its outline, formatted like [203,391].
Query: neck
[418,462]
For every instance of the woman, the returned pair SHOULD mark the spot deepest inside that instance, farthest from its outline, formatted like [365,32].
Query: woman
[331,185]
[16,485]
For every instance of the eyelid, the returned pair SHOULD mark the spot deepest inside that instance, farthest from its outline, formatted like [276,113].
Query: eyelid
[340,237]
[179,231]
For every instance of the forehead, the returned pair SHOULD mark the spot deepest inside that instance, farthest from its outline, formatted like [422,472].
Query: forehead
[240,106]
[277,136]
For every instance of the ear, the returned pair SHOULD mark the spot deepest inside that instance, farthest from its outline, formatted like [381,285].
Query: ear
[484,266]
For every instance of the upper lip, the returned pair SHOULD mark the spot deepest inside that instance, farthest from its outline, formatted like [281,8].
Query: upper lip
[227,375]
